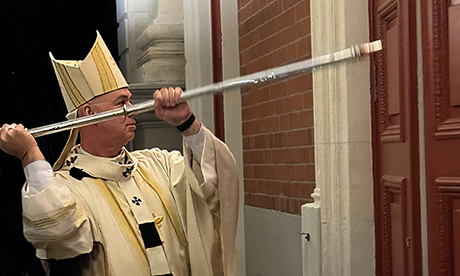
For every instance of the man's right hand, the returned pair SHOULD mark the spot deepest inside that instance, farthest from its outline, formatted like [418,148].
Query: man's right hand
[17,141]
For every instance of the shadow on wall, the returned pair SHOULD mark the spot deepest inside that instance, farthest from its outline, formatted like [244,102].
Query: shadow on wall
[31,95]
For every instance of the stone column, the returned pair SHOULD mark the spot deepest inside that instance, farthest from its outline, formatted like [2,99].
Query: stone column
[343,148]
[151,47]
[162,58]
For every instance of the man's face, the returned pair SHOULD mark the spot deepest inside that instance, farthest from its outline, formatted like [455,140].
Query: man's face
[120,129]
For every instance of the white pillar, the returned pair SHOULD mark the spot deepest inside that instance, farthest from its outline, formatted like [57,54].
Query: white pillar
[232,109]
[198,53]
[151,47]
[343,149]
[162,58]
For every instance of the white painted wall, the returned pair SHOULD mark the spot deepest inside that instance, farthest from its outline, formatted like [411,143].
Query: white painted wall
[273,243]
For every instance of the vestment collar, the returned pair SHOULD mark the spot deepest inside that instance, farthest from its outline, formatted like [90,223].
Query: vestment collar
[115,168]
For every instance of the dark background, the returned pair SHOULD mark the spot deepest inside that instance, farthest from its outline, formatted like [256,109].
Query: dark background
[30,95]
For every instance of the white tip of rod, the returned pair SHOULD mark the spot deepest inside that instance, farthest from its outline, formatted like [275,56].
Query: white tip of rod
[371,47]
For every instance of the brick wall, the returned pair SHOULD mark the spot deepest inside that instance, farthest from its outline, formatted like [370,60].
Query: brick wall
[278,146]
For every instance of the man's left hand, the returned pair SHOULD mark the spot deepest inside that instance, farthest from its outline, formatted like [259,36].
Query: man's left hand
[167,107]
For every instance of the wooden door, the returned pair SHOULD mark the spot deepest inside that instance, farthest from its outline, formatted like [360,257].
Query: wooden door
[395,138]
[441,70]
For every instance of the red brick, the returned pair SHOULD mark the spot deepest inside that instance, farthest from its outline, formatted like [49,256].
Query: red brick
[300,119]
[248,171]
[290,173]
[273,9]
[302,10]
[310,137]
[306,189]
[308,100]
[248,199]
[245,12]
[285,121]
[286,36]
[262,95]
[271,60]
[302,50]
[300,84]
[270,108]
[270,187]
[289,3]
[277,205]
[295,29]
[268,157]
[300,29]
[253,157]
[257,200]
[278,90]
[273,203]
[291,53]
[276,32]
[266,125]
[281,172]
[244,127]
[294,206]
[250,142]
[294,138]
[310,172]
[250,186]
[300,173]
[312,152]
[256,142]
[249,55]
[261,201]
[282,55]
[280,22]
[277,140]
[246,142]
[284,204]
[265,172]
[293,103]
[308,50]
[244,28]
[269,140]
[248,127]
[260,17]
[247,99]
[243,70]
[250,39]
[305,27]
[287,189]
[307,117]
[246,113]
[263,3]
[242,3]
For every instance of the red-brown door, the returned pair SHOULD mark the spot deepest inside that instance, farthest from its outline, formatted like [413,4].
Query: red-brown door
[395,138]
[441,70]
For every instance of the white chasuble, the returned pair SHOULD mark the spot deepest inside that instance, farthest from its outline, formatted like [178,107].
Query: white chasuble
[148,212]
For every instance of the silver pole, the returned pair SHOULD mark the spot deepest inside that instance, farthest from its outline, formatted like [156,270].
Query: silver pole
[293,69]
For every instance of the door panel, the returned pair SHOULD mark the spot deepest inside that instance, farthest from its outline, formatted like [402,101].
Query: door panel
[441,44]
[395,133]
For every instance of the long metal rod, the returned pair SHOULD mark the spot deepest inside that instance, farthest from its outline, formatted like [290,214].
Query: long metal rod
[293,69]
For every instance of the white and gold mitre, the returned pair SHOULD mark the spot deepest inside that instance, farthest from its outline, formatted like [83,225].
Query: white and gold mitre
[81,81]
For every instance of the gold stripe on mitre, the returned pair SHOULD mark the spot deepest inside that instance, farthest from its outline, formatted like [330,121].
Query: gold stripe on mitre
[75,95]
[106,76]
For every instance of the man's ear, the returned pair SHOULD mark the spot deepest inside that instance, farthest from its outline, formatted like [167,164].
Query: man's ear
[87,110]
